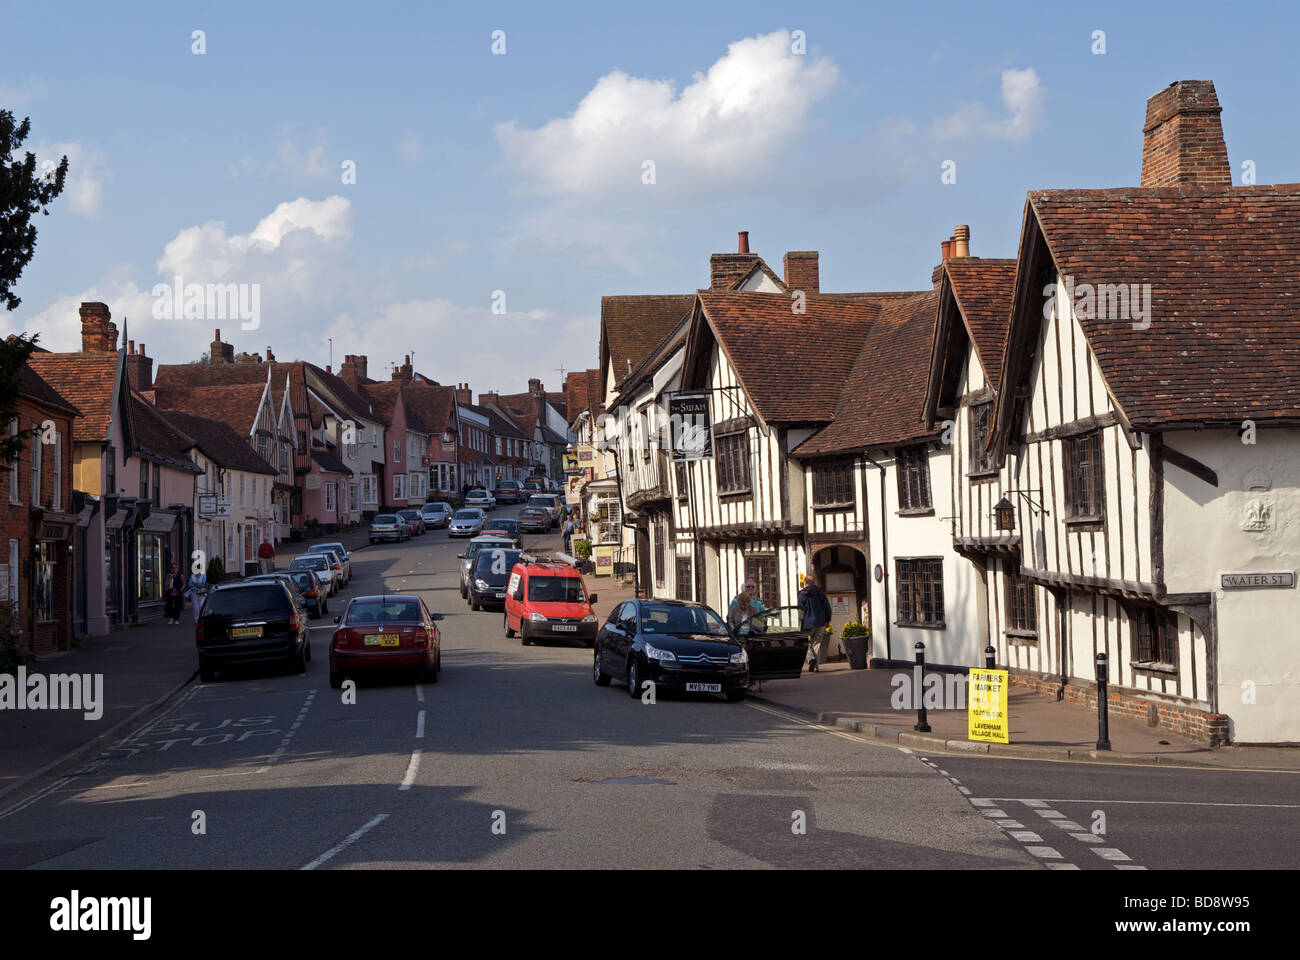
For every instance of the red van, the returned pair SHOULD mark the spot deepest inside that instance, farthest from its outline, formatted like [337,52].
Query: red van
[548,600]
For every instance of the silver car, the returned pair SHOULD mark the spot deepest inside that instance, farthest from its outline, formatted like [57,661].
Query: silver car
[481,499]
[389,526]
[345,558]
[467,522]
[436,514]
[322,566]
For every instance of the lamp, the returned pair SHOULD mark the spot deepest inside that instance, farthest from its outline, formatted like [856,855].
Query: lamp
[1004,513]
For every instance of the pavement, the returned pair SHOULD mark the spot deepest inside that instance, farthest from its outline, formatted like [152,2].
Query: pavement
[1041,727]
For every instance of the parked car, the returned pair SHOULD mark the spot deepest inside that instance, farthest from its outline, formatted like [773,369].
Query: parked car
[335,556]
[676,645]
[467,523]
[549,502]
[535,519]
[509,491]
[505,528]
[414,519]
[548,600]
[313,592]
[390,632]
[320,564]
[490,576]
[387,526]
[534,485]
[343,553]
[436,514]
[253,621]
[481,499]
[471,552]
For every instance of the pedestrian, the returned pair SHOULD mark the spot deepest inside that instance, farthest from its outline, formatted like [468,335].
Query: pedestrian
[266,557]
[750,591]
[814,617]
[742,608]
[198,591]
[174,594]
[569,527]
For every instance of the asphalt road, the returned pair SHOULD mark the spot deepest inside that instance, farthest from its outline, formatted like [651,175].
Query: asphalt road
[516,759]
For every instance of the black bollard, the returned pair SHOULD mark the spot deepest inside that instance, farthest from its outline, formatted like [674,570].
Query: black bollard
[918,677]
[1103,724]
[990,656]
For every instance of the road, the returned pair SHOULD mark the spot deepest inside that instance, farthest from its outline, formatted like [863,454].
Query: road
[515,759]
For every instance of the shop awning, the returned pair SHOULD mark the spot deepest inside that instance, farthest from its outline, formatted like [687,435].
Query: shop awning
[116,521]
[159,521]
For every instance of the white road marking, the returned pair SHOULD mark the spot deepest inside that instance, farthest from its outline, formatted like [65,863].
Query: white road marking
[981,802]
[1156,803]
[1050,814]
[351,839]
[1066,866]
[1010,824]
[1034,803]
[419,692]
[1067,825]
[965,791]
[1128,866]
[1025,836]
[1111,853]
[284,742]
[411,771]
[994,812]
[419,726]
[1084,837]
[1045,853]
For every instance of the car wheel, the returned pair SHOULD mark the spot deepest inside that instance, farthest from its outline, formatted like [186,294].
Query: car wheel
[336,680]
[298,661]
[524,639]
[206,673]
[505,620]
[306,647]
[735,696]
[474,604]
[372,541]
[633,678]
[600,676]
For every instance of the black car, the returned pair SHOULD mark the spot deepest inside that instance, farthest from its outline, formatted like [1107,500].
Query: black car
[312,590]
[255,621]
[491,573]
[536,519]
[686,647]
[298,587]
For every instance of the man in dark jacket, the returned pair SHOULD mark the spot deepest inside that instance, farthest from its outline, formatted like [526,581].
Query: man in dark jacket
[814,615]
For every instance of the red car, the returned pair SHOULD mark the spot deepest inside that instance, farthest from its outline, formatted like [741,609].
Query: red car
[413,519]
[391,632]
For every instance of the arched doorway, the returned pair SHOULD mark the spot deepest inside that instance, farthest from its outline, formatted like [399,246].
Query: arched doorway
[841,571]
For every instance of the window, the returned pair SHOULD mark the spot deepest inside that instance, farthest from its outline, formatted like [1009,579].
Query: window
[13,467]
[762,570]
[498,446]
[399,486]
[263,446]
[284,458]
[242,498]
[684,578]
[1155,636]
[13,576]
[57,498]
[683,481]
[157,485]
[1083,477]
[661,543]
[733,463]
[1022,609]
[331,496]
[981,420]
[302,441]
[913,467]
[110,471]
[920,592]
[833,484]
[369,490]
[44,586]
[397,450]
[144,479]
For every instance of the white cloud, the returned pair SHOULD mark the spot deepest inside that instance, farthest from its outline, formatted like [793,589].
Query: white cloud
[726,125]
[83,190]
[409,149]
[291,159]
[1023,96]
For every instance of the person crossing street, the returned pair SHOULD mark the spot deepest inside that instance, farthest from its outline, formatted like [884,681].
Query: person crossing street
[814,615]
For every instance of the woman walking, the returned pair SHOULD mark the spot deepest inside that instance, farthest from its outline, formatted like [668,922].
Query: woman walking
[174,594]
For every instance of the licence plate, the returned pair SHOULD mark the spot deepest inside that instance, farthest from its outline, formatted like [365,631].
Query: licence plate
[239,633]
[382,640]
[501,596]
[704,688]
[564,628]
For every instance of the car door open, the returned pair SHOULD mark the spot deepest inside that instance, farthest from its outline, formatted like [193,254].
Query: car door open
[776,645]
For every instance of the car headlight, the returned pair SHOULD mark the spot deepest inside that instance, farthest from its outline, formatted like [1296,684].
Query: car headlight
[480,584]
[589,618]
[740,657]
[536,618]
[654,653]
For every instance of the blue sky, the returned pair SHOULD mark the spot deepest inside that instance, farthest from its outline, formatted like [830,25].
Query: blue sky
[523,172]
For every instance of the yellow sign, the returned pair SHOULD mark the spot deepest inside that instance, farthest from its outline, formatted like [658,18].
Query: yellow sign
[586,455]
[570,461]
[604,559]
[987,712]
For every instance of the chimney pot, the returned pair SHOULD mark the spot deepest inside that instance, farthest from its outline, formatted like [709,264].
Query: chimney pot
[961,240]
[743,245]
[945,250]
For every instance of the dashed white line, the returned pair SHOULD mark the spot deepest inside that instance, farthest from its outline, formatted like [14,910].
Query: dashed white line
[411,770]
[351,839]
[419,692]
[1045,853]
[419,726]
[1111,853]
[284,742]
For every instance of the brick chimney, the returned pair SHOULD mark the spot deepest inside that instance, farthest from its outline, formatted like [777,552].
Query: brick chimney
[139,368]
[535,387]
[219,352]
[270,357]
[801,271]
[404,373]
[485,398]
[353,370]
[961,240]
[463,394]
[1183,137]
[98,331]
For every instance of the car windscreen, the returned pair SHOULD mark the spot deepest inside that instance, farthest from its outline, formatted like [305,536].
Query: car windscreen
[540,500]
[665,619]
[408,514]
[313,561]
[495,560]
[245,602]
[305,579]
[385,518]
[466,515]
[556,589]
[506,526]
[383,611]
[322,547]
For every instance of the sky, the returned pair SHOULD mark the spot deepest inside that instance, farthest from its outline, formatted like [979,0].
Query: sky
[462,183]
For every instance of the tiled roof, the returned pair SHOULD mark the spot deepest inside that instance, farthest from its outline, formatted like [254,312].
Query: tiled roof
[583,387]
[1223,343]
[330,461]
[331,387]
[983,289]
[219,441]
[883,394]
[36,390]
[428,407]
[504,427]
[632,326]
[382,396]
[236,405]
[792,365]
[731,269]
[156,435]
[85,380]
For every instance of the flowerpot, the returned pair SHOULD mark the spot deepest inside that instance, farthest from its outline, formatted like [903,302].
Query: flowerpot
[857,651]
